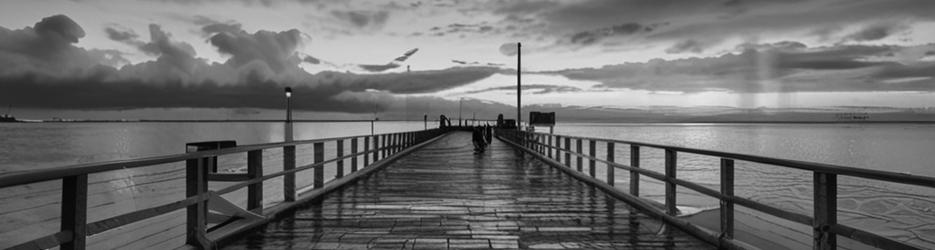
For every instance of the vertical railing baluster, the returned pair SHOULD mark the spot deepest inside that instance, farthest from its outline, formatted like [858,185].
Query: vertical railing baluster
[558,149]
[384,141]
[634,176]
[196,185]
[670,185]
[549,142]
[366,154]
[591,163]
[340,164]
[826,206]
[255,172]
[74,210]
[376,148]
[727,204]
[354,153]
[578,149]
[319,157]
[610,168]
[568,152]
[288,182]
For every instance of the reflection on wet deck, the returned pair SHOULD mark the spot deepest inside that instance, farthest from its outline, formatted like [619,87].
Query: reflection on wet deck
[444,196]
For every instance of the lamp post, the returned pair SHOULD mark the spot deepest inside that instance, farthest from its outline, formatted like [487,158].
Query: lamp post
[519,91]
[288,114]
[460,103]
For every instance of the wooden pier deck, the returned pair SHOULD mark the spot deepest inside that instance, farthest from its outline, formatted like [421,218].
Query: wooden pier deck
[445,196]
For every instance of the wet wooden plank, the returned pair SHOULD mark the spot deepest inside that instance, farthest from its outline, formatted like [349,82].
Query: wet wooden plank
[445,196]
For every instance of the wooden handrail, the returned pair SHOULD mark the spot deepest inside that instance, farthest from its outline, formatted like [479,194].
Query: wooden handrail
[824,222]
[75,228]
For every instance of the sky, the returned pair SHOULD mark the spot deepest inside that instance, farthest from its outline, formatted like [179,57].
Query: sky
[357,59]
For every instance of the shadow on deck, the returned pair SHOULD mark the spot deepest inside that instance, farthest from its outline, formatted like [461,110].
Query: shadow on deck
[445,196]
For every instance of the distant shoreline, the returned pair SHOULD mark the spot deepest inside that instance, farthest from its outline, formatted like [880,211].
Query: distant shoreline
[435,121]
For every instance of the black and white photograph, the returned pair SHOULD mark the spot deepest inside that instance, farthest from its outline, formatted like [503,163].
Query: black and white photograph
[467,124]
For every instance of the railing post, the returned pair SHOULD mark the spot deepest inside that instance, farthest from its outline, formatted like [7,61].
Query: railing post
[75,210]
[288,182]
[319,148]
[592,152]
[196,185]
[826,206]
[670,185]
[255,171]
[610,168]
[727,205]
[568,153]
[340,163]
[634,176]
[580,152]
[354,153]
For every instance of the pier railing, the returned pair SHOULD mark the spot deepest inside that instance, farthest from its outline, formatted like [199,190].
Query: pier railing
[377,151]
[550,148]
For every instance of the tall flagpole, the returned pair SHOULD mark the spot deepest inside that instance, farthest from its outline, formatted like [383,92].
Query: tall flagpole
[519,91]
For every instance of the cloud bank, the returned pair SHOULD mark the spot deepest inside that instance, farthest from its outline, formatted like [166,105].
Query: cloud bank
[42,67]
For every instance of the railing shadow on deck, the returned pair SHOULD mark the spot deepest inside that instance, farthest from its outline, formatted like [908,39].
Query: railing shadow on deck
[378,150]
[823,222]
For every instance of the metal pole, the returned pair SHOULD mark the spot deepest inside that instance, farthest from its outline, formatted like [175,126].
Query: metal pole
[519,91]
[460,103]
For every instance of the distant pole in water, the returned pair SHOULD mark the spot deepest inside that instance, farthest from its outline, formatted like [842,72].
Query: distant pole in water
[519,91]
[288,114]
[460,103]
[425,119]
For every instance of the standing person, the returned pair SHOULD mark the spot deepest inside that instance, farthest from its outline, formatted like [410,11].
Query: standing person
[477,138]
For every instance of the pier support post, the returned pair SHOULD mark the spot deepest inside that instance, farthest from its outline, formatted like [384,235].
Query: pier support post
[196,185]
[634,176]
[354,153]
[319,148]
[340,164]
[610,168]
[727,205]
[826,206]
[75,210]
[591,163]
[288,180]
[255,172]
[670,184]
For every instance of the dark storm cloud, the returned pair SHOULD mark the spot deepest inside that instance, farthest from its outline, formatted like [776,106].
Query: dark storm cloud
[120,34]
[275,49]
[930,53]
[690,45]
[311,59]
[48,47]
[771,68]
[535,89]
[877,31]
[406,55]
[378,67]
[44,69]
[626,29]
[391,65]
[362,19]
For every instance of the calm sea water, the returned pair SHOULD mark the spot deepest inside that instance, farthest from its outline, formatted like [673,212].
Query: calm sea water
[901,211]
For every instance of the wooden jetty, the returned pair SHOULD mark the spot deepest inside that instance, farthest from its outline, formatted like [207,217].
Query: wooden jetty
[423,189]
